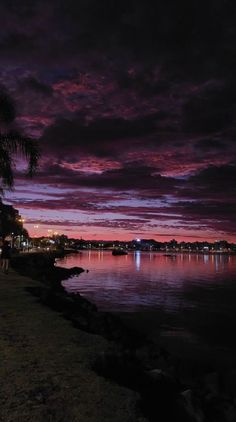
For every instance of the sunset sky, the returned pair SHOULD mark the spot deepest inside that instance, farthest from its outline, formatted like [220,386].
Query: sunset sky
[133,104]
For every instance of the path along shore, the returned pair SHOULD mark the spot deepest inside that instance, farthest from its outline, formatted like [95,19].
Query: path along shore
[46,365]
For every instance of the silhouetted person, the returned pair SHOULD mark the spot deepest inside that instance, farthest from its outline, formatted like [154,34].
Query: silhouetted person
[5,256]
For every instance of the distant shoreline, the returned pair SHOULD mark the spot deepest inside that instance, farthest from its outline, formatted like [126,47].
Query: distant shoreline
[164,253]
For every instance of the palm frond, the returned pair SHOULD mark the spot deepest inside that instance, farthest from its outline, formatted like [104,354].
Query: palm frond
[14,144]
[6,173]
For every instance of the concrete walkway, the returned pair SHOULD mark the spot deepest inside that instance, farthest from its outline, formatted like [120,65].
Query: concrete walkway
[45,365]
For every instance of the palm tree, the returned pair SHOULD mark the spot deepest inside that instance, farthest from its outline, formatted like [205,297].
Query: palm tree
[13,144]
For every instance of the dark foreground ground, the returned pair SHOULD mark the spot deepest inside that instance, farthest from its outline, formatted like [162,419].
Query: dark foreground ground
[45,366]
[63,361]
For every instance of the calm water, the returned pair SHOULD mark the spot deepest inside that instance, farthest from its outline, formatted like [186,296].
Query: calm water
[192,296]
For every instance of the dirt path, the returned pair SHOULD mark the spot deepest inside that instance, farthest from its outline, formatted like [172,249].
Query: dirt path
[45,365]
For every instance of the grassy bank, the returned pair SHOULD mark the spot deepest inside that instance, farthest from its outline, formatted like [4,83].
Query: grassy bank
[45,369]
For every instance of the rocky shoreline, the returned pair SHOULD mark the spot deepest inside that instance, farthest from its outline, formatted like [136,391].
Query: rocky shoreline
[167,389]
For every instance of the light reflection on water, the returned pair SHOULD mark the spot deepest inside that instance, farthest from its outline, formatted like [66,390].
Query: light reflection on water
[191,298]
[144,281]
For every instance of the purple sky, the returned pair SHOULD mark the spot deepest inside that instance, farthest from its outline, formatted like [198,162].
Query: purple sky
[133,104]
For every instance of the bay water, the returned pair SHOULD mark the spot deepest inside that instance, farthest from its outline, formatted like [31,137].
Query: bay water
[185,301]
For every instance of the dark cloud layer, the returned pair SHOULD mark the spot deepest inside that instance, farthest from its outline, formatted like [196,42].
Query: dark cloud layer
[33,84]
[214,182]
[184,31]
[130,177]
[211,111]
[128,96]
[97,137]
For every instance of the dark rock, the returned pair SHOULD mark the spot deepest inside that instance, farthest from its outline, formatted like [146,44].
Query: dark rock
[212,385]
[229,382]
[220,410]
[230,413]
[40,266]
[78,309]
[192,406]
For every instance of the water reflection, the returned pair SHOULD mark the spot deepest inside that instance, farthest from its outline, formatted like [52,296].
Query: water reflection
[138,260]
[192,297]
[148,280]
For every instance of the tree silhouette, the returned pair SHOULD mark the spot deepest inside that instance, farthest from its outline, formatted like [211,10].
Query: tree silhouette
[10,222]
[13,144]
